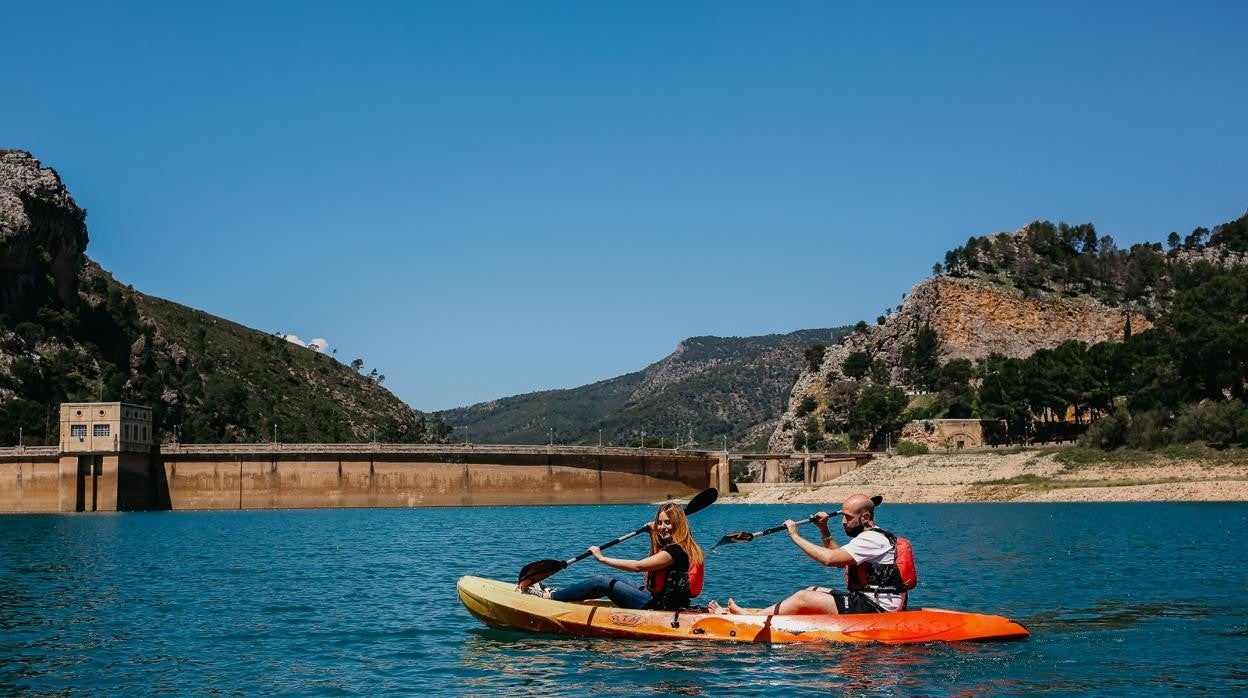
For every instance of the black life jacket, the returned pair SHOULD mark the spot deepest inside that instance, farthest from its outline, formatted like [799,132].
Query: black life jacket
[672,587]
[896,578]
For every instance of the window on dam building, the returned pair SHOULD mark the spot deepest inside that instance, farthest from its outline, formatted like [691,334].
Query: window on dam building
[100,430]
[78,431]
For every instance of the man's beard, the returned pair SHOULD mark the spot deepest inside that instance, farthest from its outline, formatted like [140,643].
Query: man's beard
[851,532]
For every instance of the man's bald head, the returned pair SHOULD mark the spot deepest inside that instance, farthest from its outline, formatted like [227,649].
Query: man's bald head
[857,513]
[858,503]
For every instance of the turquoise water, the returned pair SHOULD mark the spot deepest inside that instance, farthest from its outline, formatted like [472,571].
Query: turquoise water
[1120,598]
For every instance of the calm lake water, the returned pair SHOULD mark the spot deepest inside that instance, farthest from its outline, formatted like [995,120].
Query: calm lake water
[1120,598]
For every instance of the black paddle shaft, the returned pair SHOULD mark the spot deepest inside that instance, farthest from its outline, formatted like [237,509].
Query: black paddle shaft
[744,537]
[604,546]
[541,569]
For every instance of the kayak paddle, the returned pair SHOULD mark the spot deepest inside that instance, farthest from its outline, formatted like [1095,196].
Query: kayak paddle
[540,569]
[745,537]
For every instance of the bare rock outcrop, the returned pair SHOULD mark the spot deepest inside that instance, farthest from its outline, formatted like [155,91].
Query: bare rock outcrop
[972,319]
[41,228]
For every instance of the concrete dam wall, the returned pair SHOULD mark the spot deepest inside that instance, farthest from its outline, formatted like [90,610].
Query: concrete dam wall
[281,476]
[30,479]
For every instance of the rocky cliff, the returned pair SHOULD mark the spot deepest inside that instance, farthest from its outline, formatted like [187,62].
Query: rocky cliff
[43,234]
[972,318]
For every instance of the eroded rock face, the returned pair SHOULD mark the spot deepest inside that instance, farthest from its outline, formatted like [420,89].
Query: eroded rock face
[972,319]
[43,236]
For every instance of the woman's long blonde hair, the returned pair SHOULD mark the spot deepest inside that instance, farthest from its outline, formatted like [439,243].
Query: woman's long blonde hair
[681,535]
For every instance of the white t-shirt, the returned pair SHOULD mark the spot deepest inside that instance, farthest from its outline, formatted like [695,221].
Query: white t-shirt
[871,546]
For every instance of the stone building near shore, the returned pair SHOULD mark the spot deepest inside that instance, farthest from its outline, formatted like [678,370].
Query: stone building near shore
[945,434]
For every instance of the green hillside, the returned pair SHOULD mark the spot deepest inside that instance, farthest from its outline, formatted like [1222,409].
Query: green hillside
[208,379]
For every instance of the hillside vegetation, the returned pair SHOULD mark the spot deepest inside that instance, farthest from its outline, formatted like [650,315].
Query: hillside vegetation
[1072,260]
[710,392]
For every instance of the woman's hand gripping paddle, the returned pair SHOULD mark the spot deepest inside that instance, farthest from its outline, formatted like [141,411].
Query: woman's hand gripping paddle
[540,569]
[745,537]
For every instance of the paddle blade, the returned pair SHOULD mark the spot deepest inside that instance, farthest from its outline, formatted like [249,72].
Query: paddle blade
[537,571]
[735,537]
[701,500]
[877,500]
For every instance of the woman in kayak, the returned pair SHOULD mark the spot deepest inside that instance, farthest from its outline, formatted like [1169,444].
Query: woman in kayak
[673,570]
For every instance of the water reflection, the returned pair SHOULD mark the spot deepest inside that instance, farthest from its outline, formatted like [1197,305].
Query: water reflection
[1112,615]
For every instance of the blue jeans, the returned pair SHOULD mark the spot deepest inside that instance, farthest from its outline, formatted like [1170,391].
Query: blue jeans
[621,593]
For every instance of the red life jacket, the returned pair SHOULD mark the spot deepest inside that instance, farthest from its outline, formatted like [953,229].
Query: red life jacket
[896,578]
[693,578]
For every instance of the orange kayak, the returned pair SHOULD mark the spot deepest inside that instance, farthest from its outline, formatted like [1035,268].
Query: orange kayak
[499,605]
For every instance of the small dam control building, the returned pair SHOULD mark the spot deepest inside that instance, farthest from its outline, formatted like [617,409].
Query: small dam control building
[105,427]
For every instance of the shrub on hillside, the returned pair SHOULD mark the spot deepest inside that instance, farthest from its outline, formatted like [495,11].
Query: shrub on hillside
[1219,424]
[1148,429]
[1214,423]
[814,356]
[1142,429]
[1108,432]
[910,448]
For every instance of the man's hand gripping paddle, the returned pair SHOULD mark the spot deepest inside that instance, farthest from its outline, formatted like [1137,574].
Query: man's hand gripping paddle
[745,537]
[540,569]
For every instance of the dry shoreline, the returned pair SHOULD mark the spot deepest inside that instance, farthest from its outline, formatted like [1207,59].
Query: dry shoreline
[1026,476]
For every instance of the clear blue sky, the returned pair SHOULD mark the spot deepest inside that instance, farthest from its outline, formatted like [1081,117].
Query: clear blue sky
[482,199]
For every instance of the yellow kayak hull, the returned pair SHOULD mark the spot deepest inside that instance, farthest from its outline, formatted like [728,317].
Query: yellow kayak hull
[499,605]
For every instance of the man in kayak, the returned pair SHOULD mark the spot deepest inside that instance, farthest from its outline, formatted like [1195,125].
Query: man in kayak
[876,577]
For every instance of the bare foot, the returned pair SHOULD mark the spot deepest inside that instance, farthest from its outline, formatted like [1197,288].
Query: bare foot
[714,607]
[734,608]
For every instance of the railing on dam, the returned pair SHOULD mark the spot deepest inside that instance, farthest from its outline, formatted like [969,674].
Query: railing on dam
[32,451]
[430,449]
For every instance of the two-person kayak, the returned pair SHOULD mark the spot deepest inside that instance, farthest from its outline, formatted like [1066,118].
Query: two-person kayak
[499,605]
